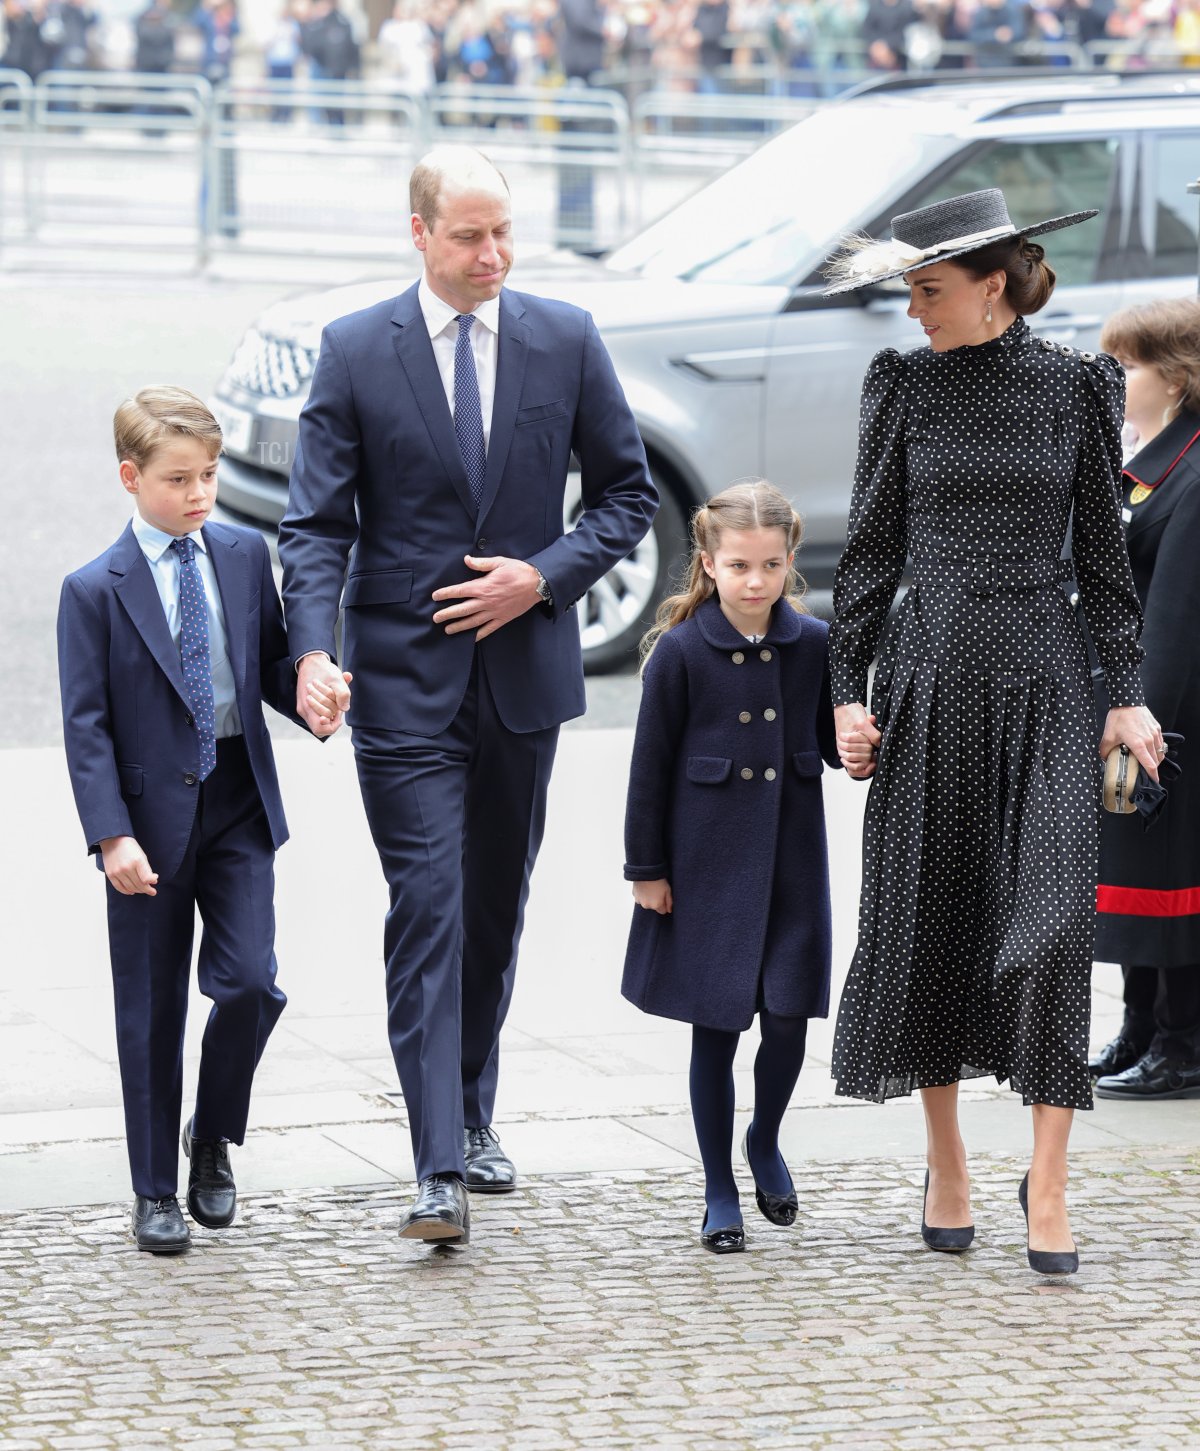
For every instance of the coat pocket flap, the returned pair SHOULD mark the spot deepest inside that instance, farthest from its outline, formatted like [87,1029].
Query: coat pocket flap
[709,770]
[130,778]
[379,587]
[808,763]
[538,411]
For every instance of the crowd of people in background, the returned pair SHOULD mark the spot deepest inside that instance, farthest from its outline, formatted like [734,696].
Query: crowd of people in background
[704,45]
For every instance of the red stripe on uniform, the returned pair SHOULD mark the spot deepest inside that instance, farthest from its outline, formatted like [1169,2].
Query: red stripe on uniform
[1148,901]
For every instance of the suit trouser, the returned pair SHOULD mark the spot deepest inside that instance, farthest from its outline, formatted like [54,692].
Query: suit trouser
[1162,1010]
[457,820]
[228,872]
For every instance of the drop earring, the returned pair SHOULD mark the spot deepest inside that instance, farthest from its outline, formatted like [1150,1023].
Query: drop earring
[987,317]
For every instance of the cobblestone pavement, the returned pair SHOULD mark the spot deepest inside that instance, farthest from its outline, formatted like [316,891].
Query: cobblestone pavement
[584,1314]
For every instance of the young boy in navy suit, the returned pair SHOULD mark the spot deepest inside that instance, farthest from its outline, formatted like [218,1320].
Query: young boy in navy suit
[168,643]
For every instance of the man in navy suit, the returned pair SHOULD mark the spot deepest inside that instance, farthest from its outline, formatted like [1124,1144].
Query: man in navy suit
[432,458]
[167,645]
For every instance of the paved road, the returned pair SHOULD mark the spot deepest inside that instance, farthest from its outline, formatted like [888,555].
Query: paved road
[585,1315]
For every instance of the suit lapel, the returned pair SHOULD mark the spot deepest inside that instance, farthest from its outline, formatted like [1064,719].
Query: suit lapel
[230,564]
[512,353]
[415,351]
[141,601]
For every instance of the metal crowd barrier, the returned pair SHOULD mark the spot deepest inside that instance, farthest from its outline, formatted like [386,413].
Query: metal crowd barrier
[16,110]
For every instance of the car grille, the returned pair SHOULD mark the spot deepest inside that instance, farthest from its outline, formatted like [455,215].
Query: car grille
[272,367]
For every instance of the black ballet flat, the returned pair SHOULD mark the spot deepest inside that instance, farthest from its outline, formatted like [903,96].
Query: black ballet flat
[1045,1261]
[948,1241]
[728,1241]
[778,1208]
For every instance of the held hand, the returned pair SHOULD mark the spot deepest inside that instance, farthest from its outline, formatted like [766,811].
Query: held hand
[654,896]
[322,694]
[508,588]
[1135,727]
[857,740]
[126,867]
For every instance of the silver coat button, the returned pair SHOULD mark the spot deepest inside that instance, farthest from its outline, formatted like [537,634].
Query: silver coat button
[738,657]
[768,714]
[769,773]
[747,774]
[744,717]
[764,654]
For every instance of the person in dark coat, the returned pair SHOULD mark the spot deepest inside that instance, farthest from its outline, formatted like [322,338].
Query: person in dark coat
[725,835]
[1148,900]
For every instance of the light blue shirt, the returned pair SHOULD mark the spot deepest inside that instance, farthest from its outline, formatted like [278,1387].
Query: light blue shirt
[164,566]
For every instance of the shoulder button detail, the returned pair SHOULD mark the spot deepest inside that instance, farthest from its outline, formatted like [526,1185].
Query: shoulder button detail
[1066,351]
[1046,343]
[1088,357]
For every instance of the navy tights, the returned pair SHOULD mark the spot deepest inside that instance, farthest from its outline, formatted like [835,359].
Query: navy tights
[776,1068]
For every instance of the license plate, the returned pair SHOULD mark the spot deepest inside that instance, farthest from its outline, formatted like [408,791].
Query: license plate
[237,427]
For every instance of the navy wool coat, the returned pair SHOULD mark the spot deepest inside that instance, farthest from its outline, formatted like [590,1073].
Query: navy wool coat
[725,802]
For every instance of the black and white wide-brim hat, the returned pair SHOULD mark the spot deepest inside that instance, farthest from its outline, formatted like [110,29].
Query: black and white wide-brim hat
[931,234]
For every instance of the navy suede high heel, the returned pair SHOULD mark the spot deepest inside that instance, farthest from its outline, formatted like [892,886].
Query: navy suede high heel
[948,1241]
[1045,1261]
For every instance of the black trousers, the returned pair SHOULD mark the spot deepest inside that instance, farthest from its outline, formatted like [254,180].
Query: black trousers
[228,873]
[457,820]
[1162,1010]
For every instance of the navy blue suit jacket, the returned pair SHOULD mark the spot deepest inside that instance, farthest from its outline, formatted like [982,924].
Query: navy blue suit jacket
[132,750]
[378,471]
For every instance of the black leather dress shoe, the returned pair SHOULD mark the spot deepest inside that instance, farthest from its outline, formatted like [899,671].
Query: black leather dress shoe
[158,1225]
[1153,1076]
[1115,1057]
[441,1211]
[489,1169]
[211,1192]
[728,1241]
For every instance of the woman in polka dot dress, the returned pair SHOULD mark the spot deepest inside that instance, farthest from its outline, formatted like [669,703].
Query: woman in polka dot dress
[980,843]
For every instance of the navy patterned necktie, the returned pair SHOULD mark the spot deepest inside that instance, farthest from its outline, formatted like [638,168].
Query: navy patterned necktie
[193,652]
[468,411]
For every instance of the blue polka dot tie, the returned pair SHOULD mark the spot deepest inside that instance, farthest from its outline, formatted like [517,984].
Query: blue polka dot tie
[193,652]
[468,411]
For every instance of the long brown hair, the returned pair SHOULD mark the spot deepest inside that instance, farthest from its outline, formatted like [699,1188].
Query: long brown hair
[752,504]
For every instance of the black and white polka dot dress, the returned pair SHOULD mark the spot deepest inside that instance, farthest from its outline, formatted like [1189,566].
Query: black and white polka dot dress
[980,843]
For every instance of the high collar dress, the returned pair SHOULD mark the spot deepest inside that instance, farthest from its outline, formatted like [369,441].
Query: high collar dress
[981,828]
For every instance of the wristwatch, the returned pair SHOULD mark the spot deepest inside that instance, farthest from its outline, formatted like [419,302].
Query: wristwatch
[543,588]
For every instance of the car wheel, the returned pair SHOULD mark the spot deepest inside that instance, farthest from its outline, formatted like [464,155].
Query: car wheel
[619,608]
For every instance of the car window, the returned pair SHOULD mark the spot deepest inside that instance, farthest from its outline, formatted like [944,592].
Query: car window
[1040,180]
[1174,221]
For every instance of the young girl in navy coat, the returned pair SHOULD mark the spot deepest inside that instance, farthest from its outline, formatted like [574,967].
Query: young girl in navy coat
[725,835]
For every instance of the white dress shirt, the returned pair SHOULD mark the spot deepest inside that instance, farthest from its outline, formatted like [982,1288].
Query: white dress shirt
[441,320]
[164,566]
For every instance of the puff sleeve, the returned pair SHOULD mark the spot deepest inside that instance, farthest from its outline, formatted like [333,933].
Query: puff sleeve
[868,574]
[1110,602]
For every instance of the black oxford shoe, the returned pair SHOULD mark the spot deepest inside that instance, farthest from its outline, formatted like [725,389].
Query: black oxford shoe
[1153,1076]
[211,1192]
[441,1211]
[489,1169]
[158,1225]
[1115,1057]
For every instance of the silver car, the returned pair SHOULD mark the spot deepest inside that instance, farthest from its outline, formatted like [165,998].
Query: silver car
[733,361]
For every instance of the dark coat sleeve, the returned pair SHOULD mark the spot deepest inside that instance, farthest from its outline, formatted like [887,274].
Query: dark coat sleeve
[826,731]
[1172,633]
[277,674]
[619,497]
[869,571]
[660,726]
[83,647]
[1110,602]
[320,525]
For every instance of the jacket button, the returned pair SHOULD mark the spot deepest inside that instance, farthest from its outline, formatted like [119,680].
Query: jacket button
[737,657]
[188,719]
[747,774]
[189,779]
[481,544]
[768,714]
[769,773]
[764,654]
[744,717]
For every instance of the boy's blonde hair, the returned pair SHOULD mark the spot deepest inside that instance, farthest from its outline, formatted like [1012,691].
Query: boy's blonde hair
[157,414]
[752,504]
[1163,335]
